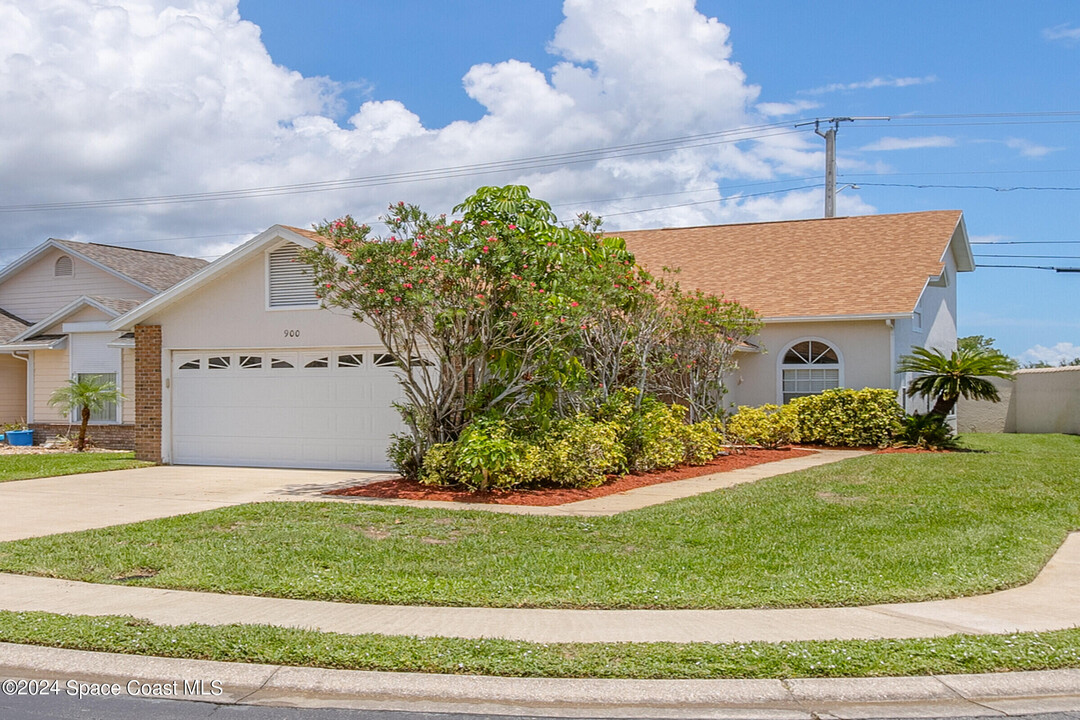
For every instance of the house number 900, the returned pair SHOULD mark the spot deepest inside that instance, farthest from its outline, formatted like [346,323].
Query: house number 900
[292,333]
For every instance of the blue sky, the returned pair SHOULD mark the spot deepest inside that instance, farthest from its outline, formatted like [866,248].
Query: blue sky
[152,98]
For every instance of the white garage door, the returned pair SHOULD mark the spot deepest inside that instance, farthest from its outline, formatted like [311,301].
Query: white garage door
[284,408]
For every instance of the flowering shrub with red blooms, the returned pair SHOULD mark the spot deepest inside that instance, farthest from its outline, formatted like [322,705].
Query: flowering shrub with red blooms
[503,311]
[494,299]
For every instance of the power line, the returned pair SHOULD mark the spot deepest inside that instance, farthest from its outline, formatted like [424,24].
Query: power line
[734,135]
[1035,267]
[1028,242]
[995,188]
[1032,257]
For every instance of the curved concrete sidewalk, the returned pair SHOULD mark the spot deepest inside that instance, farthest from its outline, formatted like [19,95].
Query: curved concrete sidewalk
[1047,603]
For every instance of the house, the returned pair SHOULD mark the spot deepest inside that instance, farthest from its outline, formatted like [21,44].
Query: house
[841,298]
[239,364]
[55,304]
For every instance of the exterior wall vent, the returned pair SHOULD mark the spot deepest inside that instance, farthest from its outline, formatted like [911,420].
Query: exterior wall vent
[290,281]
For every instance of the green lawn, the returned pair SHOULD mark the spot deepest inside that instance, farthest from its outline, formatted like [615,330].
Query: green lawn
[880,528]
[280,646]
[24,467]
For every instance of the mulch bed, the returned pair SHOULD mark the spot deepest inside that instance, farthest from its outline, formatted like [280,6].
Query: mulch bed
[411,490]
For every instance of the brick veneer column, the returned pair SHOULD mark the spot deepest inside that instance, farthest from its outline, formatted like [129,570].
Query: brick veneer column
[148,392]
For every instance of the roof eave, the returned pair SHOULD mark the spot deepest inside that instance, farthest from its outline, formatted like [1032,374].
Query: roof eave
[192,283]
[22,346]
[960,245]
[76,304]
[836,318]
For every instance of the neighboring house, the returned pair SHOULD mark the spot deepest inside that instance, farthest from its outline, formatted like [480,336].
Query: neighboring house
[55,305]
[240,365]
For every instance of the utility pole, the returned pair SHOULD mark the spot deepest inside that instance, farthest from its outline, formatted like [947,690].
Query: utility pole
[830,163]
[830,155]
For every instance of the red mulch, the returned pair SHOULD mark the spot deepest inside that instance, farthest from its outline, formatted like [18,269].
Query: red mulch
[410,490]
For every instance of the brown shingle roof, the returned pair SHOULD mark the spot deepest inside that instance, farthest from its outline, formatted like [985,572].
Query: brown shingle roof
[159,271]
[868,265]
[119,305]
[10,326]
[309,234]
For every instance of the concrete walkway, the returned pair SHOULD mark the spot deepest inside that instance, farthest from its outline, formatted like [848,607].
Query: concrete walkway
[1047,603]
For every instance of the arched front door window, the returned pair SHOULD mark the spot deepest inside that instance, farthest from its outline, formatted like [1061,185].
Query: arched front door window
[807,368]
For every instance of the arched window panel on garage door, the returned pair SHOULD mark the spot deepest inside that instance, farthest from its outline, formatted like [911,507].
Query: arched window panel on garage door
[809,367]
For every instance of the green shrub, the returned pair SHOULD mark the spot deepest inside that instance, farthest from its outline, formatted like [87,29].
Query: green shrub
[438,466]
[402,456]
[767,426]
[582,452]
[702,442]
[653,441]
[486,456]
[930,432]
[846,418]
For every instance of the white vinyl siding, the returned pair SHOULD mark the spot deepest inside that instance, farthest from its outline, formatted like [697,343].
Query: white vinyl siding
[35,292]
[51,370]
[127,380]
[290,281]
[12,389]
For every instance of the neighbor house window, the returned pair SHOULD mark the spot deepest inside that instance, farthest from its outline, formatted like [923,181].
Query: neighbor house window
[290,280]
[106,414]
[807,368]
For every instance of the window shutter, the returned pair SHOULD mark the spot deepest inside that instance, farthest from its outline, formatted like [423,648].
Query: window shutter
[291,284]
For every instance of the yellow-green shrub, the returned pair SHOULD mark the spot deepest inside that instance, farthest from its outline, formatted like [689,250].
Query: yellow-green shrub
[847,418]
[581,452]
[702,442]
[767,426]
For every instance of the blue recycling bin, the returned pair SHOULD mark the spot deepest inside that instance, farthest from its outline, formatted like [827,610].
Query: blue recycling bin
[20,437]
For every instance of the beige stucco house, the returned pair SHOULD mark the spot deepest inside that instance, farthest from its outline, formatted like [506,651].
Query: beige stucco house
[55,305]
[842,298]
[239,364]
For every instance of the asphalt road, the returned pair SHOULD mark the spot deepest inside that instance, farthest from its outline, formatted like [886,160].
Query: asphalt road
[60,707]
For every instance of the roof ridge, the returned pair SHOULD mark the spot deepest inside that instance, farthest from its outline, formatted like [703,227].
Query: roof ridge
[615,233]
[124,247]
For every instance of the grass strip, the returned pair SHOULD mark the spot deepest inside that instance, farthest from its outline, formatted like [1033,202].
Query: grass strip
[283,646]
[875,529]
[25,467]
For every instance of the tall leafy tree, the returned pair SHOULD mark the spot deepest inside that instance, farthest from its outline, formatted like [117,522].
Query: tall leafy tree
[946,378]
[86,395]
[983,344]
[494,300]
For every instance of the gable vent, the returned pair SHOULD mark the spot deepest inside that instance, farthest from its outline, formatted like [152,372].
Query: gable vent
[291,284]
[64,267]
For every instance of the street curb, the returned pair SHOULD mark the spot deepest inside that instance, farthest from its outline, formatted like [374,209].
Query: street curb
[1017,693]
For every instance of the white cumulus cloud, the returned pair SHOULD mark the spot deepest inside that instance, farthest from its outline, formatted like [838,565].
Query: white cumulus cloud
[1055,355]
[136,98]
[1065,31]
[913,143]
[872,83]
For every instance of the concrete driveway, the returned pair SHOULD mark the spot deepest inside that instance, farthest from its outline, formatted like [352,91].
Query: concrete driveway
[45,506]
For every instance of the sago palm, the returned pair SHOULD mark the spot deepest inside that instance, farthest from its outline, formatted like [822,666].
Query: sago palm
[88,394]
[946,377]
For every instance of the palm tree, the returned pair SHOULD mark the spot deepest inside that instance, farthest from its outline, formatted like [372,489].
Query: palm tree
[87,394]
[947,377]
